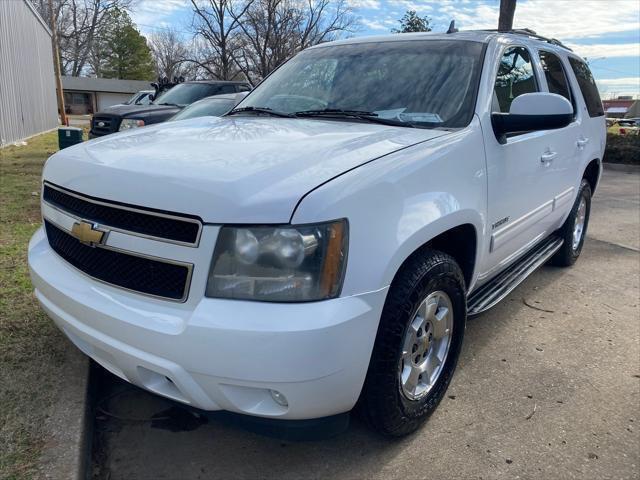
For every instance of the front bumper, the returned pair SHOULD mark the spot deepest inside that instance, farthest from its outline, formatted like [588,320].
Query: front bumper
[216,354]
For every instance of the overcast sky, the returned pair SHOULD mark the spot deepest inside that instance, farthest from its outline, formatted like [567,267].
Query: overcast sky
[606,32]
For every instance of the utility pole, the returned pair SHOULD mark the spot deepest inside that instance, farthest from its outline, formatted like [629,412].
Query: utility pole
[56,64]
[507,11]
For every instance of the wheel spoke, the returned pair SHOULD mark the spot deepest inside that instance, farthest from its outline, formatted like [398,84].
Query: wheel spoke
[440,328]
[407,348]
[416,324]
[431,365]
[423,311]
[412,380]
[431,308]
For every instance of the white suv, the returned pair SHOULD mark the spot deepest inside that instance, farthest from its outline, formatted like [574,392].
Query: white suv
[323,244]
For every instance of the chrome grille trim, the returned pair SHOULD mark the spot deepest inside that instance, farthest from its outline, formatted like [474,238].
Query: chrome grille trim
[187,265]
[142,211]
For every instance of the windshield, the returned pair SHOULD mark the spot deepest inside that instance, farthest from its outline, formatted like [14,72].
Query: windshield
[131,99]
[215,107]
[187,93]
[139,98]
[425,83]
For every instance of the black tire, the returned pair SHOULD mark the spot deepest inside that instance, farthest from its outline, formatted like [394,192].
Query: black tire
[569,253]
[383,404]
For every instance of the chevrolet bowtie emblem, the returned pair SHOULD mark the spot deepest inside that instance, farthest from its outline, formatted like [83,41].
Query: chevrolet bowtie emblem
[87,233]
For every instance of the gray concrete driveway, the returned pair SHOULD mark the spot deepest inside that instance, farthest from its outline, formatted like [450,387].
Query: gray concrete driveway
[548,386]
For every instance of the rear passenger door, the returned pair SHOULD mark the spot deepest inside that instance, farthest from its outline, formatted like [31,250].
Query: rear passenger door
[589,106]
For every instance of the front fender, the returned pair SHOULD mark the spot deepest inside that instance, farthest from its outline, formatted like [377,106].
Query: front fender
[399,202]
[422,235]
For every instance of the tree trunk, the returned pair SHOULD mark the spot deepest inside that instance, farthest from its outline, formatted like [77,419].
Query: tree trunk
[507,10]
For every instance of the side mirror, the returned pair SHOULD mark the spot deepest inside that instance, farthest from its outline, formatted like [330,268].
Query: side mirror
[533,111]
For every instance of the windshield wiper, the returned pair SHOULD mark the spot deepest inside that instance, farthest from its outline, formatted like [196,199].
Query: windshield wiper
[168,104]
[359,114]
[265,110]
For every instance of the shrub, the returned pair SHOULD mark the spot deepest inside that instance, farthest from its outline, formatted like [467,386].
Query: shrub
[623,149]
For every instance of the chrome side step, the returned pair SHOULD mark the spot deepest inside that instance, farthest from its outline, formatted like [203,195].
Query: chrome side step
[495,290]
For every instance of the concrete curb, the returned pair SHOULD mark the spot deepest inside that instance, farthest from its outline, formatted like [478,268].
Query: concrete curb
[621,167]
[68,428]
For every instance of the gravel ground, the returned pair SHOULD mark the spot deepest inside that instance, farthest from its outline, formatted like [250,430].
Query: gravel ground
[548,386]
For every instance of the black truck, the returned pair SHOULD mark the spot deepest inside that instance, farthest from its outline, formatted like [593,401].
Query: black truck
[168,103]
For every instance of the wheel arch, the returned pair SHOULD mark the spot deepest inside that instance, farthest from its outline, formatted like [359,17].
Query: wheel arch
[592,173]
[455,235]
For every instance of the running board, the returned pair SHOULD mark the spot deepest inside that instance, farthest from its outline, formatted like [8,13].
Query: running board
[491,293]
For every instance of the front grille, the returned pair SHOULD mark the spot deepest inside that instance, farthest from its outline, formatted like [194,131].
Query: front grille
[159,225]
[140,274]
[104,125]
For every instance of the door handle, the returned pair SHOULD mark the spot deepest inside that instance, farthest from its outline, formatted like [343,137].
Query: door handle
[582,142]
[548,156]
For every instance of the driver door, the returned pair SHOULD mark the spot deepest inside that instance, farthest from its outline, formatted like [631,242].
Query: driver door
[521,172]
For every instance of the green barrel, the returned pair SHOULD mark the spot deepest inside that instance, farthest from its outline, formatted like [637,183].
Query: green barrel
[68,136]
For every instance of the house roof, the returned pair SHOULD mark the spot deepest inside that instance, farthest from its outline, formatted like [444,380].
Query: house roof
[618,103]
[111,85]
[617,110]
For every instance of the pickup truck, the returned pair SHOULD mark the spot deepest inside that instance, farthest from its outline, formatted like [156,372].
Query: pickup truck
[321,246]
[125,117]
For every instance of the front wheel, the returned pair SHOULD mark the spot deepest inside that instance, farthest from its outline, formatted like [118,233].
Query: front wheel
[417,345]
[574,229]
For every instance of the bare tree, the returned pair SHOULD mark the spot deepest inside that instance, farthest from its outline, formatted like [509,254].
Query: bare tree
[275,30]
[507,12]
[169,53]
[78,23]
[324,20]
[217,31]
[268,31]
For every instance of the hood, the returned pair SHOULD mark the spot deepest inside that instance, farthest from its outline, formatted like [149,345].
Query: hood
[225,170]
[139,111]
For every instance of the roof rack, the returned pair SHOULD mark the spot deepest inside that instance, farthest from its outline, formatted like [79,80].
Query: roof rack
[530,33]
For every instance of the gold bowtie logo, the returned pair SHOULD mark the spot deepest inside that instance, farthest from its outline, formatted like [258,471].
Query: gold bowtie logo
[87,233]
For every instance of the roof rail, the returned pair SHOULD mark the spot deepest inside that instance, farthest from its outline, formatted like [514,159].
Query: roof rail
[530,33]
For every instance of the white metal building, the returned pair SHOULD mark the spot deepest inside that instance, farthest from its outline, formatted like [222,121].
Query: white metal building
[90,95]
[27,82]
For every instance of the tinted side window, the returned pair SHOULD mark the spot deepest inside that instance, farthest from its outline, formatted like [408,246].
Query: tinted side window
[554,73]
[587,87]
[515,77]
[244,88]
[226,89]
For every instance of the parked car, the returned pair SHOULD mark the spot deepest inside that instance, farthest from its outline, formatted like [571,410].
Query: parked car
[625,126]
[126,117]
[215,106]
[322,244]
[143,97]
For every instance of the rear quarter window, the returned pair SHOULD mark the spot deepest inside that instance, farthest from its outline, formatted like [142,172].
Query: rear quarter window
[587,87]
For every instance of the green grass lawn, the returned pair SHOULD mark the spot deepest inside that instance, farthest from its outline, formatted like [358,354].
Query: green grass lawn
[31,348]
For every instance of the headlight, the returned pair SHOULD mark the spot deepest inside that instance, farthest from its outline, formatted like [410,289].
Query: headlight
[279,264]
[128,123]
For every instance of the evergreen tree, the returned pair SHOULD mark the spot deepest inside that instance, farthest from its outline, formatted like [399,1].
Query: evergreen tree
[122,52]
[412,22]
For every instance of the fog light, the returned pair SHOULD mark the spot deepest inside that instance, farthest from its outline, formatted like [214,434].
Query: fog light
[279,398]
